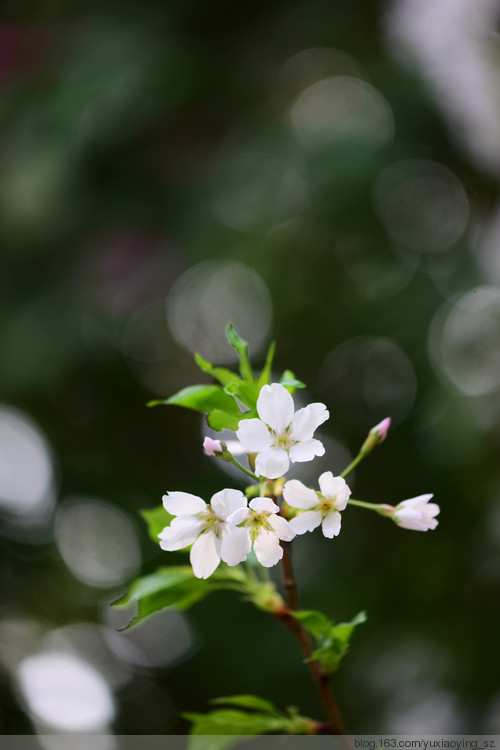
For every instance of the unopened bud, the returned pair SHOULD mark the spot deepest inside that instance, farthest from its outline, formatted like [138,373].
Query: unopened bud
[381,429]
[217,449]
[213,447]
[376,436]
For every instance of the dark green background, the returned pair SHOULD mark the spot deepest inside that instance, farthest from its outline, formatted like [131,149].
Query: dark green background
[118,122]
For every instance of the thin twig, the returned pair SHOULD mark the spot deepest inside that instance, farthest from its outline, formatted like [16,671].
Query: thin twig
[321,679]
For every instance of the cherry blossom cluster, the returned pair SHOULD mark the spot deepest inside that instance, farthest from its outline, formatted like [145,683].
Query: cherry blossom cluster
[229,526]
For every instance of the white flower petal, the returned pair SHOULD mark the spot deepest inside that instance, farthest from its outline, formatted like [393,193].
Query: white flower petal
[305,421]
[226,502]
[416,502]
[331,524]
[281,528]
[238,516]
[263,505]
[272,463]
[275,406]
[267,548]
[306,450]
[253,435]
[334,488]
[236,546]
[205,555]
[183,504]
[432,510]
[298,495]
[181,533]
[307,521]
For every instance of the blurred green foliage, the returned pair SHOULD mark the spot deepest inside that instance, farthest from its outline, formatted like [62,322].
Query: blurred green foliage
[137,142]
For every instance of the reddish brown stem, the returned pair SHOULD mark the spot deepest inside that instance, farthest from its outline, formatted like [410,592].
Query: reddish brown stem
[320,678]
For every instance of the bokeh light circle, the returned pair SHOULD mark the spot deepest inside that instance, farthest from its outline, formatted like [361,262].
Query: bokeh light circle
[65,692]
[27,493]
[211,294]
[341,108]
[423,205]
[464,341]
[366,379]
[97,541]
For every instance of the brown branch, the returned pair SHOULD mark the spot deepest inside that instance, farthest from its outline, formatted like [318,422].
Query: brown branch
[319,676]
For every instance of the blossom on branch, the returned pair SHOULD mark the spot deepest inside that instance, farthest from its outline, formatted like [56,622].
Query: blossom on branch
[417,513]
[258,524]
[319,507]
[281,435]
[200,524]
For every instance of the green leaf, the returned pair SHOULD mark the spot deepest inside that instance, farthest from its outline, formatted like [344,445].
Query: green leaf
[241,347]
[219,420]
[315,622]
[332,641]
[265,375]
[219,373]
[156,520]
[247,393]
[290,382]
[205,398]
[167,587]
[211,731]
[248,701]
[231,721]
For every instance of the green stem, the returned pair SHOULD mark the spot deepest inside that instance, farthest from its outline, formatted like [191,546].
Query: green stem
[383,510]
[247,471]
[353,464]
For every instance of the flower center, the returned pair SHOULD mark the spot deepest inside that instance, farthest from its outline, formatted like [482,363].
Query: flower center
[211,521]
[282,439]
[325,505]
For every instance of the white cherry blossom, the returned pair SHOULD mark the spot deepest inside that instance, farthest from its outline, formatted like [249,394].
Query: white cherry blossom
[200,524]
[258,524]
[281,435]
[319,507]
[417,513]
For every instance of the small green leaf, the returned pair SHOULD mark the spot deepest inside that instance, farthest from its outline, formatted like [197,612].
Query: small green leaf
[156,519]
[231,721]
[315,622]
[241,347]
[332,641]
[205,398]
[247,393]
[219,373]
[265,375]
[248,701]
[167,587]
[219,420]
[290,382]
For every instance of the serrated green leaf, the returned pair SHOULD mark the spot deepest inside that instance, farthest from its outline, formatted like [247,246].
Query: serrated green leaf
[290,382]
[221,374]
[248,701]
[231,721]
[241,346]
[156,520]
[265,376]
[219,420]
[247,393]
[332,641]
[173,586]
[315,622]
[204,398]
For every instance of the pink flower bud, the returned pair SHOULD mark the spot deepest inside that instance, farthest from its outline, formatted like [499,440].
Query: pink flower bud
[381,429]
[212,447]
